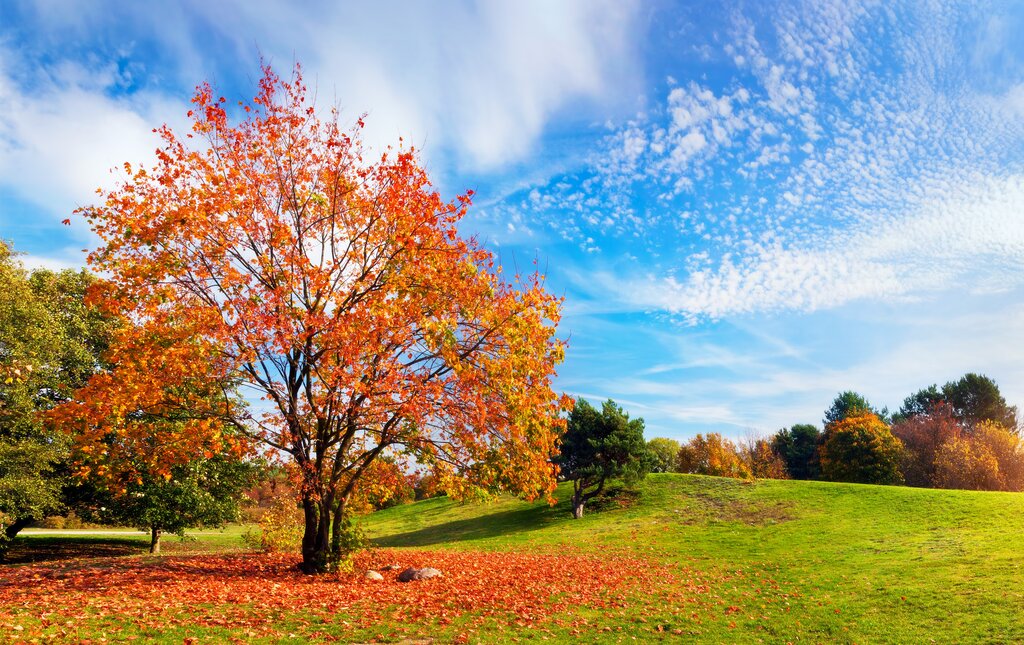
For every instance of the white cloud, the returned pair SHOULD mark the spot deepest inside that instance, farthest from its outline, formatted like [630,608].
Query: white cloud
[814,175]
[474,84]
[972,240]
[478,79]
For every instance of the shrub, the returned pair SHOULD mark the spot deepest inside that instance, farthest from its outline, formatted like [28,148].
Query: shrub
[279,528]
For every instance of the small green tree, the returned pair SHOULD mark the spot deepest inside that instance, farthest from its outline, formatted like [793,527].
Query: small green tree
[663,454]
[798,447]
[202,494]
[860,449]
[599,446]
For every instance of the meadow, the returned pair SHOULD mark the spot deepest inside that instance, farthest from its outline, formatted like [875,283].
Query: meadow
[703,559]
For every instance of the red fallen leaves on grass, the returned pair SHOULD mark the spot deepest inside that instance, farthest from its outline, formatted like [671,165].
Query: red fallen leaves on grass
[250,591]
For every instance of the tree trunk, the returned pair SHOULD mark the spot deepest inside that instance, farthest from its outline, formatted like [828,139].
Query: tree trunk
[318,554]
[577,509]
[154,540]
[14,527]
[577,501]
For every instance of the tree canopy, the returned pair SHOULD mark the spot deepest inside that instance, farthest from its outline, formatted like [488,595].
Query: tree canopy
[976,398]
[798,447]
[849,404]
[50,343]
[860,448]
[334,286]
[663,454]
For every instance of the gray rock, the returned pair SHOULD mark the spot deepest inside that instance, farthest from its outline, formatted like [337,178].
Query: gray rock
[391,567]
[426,573]
[372,575]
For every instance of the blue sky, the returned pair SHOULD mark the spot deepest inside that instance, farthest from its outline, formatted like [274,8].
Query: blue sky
[748,206]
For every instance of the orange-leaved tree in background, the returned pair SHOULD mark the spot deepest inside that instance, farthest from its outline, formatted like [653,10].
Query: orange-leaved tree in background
[337,288]
[860,448]
[712,454]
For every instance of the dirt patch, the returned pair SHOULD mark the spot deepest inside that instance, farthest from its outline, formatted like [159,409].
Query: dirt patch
[703,509]
[613,499]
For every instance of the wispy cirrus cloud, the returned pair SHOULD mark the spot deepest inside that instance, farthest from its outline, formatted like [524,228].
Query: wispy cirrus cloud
[475,84]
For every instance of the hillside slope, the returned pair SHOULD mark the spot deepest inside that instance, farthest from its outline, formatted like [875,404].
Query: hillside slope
[849,562]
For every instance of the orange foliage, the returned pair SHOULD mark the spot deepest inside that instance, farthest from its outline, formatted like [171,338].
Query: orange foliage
[860,448]
[990,457]
[384,484]
[922,436]
[964,463]
[1008,449]
[334,286]
[712,454]
[762,461]
[247,594]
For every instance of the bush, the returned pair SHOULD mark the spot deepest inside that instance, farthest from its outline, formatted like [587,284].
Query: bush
[279,529]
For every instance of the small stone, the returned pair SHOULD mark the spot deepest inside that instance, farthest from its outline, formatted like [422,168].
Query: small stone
[372,575]
[391,567]
[412,573]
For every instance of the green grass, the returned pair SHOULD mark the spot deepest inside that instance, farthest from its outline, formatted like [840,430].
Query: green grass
[783,562]
[33,545]
[856,563]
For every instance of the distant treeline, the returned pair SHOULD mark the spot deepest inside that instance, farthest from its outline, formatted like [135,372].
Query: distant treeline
[961,435]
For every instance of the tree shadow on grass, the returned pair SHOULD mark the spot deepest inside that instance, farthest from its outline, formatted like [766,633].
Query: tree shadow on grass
[506,523]
[49,548]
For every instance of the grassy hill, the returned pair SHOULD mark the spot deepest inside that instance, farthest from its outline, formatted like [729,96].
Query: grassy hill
[788,560]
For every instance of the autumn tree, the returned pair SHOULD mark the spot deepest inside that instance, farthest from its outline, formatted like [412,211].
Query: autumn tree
[922,435]
[989,457]
[50,344]
[1007,446]
[336,287]
[663,453]
[849,404]
[599,446]
[798,447]
[966,464]
[860,448]
[762,460]
[712,454]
